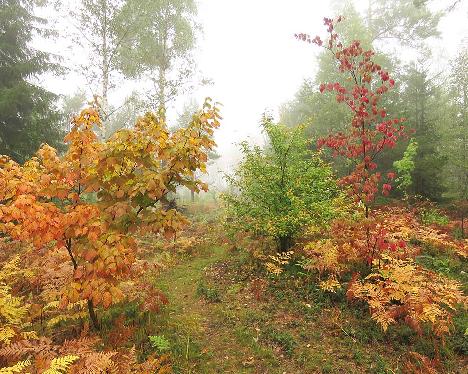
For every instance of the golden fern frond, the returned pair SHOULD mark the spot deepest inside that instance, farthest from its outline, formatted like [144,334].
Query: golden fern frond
[18,368]
[60,365]
[11,307]
[132,357]
[65,317]
[9,268]
[6,334]
[52,305]
[80,304]
[12,268]
[29,335]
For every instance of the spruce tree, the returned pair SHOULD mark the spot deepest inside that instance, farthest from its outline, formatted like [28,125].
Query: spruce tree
[27,114]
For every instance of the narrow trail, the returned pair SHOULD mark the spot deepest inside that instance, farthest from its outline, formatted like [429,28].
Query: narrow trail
[204,343]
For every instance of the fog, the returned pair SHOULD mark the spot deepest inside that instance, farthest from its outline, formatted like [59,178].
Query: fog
[248,51]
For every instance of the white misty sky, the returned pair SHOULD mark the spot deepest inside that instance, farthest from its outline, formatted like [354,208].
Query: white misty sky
[249,51]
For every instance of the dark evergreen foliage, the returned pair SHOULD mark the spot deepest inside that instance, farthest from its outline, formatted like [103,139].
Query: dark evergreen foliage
[27,114]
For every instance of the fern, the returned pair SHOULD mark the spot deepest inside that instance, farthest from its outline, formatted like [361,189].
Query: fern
[21,348]
[18,368]
[60,365]
[11,308]
[159,342]
[63,317]
[53,305]
[6,334]
[98,362]
[13,269]
[400,290]
[29,335]
[80,347]
[129,360]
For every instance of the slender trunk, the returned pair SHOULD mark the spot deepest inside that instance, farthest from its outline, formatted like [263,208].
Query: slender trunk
[464,173]
[105,70]
[92,314]
[164,62]
[91,311]
[366,168]
[161,95]
[284,243]
[192,196]
[463,225]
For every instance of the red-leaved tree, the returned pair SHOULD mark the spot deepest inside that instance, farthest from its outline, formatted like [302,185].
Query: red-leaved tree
[370,131]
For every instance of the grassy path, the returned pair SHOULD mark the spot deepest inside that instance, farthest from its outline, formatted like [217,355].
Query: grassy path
[207,337]
[189,321]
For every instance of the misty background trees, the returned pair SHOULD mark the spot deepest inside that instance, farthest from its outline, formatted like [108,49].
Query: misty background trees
[135,55]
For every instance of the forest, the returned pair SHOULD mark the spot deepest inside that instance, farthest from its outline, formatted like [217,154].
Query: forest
[201,186]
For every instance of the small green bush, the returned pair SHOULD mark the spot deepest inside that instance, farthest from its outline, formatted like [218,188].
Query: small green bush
[282,188]
[160,343]
[431,216]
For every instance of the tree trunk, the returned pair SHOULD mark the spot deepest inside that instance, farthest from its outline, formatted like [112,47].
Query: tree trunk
[192,196]
[92,315]
[369,15]
[284,243]
[463,225]
[161,95]
[91,311]
[105,71]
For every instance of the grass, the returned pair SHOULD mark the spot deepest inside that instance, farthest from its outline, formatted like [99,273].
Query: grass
[215,324]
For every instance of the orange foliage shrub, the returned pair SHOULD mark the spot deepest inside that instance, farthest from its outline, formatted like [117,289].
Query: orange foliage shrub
[90,202]
[402,290]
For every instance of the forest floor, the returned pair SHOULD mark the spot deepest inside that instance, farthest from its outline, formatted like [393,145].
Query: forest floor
[225,315]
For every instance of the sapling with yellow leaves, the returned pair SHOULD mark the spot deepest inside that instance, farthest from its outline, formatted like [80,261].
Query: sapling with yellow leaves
[92,201]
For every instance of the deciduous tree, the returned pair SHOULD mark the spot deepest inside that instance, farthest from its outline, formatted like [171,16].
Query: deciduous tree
[160,50]
[90,202]
[405,168]
[394,287]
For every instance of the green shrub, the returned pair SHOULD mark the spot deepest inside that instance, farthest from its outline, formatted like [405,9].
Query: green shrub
[431,216]
[282,188]
[159,342]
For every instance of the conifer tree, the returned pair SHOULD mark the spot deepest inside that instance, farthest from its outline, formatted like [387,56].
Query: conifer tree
[27,114]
